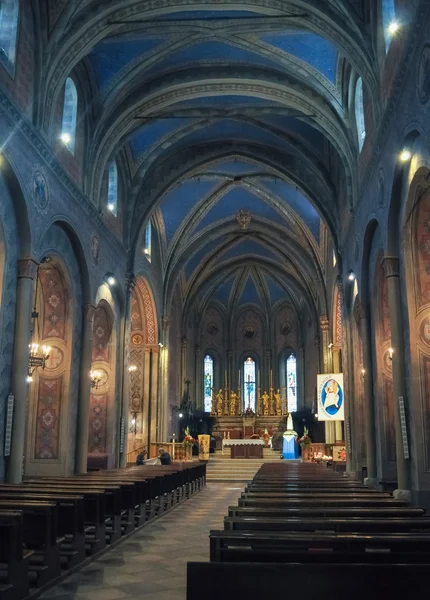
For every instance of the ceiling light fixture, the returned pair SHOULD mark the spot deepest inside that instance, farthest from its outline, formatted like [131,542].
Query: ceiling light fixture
[351,275]
[405,155]
[161,345]
[393,27]
[111,280]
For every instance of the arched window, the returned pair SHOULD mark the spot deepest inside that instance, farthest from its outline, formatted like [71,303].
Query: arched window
[209,382]
[148,241]
[388,21]
[113,189]
[70,115]
[9,10]
[249,384]
[291,374]
[359,113]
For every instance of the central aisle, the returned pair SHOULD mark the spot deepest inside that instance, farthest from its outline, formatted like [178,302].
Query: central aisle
[152,563]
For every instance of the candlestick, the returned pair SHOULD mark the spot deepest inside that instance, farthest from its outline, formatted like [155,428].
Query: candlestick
[271,377]
[239,379]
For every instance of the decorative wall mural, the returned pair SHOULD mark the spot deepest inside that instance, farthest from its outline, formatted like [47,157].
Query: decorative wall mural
[249,332]
[40,192]
[55,360]
[48,418]
[424,75]
[102,330]
[338,336]
[54,302]
[243,218]
[148,310]
[212,328]
[98,423]
[136,339]
[285,328]
[422,244]
[425,330]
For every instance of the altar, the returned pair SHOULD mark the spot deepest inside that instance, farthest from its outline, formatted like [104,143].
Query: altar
[244,448]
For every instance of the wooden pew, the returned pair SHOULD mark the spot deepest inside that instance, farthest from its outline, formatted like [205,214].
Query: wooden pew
[255,581]
[300,511]
[328,502]
[14,583]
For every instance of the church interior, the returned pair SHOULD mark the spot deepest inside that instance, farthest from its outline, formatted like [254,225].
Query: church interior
[214,298]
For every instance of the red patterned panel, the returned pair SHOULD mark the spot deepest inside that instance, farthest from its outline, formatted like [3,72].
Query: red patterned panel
[149,311]
[98,423]
[422,260]
[384,308]
[54,302]
[136,316]
[390,432]
[425,363]
[102,330]
[48,418]
[338,325]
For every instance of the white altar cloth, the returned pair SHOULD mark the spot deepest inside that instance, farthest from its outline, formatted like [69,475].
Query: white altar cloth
[228,443]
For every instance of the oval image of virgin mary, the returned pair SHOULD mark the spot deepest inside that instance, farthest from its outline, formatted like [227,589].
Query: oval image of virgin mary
[331,397]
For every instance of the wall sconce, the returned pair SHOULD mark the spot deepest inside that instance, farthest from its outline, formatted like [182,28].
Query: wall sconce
[405,155]
[351,275]
[95,378]
[132,369]
[390,352]
[363,372]
[161,345]
[133,423]
[330,346]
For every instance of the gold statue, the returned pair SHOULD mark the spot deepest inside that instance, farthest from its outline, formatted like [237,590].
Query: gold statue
[233,403]
[213,411]
[266,407]
[272,411]
[219,402]
[278,403]
[226,404]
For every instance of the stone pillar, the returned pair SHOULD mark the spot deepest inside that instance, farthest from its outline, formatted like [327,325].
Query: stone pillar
[363,317]
[337,368]
[230,370]
[391,269]
[163,403]
[131,283]
[300,377]
[154,395]
[198,378]
[146,425]
[27,271]
[84,389]
[184,347]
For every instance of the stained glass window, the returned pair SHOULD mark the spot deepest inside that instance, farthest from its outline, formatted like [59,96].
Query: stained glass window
[148,241]
[291,383]
[209,382]
[249,383]
[113,189]
[388,18]
[359,113]
[9,10]
[70,115]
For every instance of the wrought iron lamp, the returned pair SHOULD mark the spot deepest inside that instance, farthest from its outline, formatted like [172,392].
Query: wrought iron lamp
[38,354]
[95,378]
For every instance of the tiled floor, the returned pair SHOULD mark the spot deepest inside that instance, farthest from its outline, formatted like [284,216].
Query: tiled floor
[151,565]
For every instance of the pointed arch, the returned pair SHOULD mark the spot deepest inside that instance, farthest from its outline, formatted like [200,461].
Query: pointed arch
[70,115]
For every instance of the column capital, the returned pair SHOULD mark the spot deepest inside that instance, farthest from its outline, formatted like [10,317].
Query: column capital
[391,266]
[361,311]
[165,322]
[130,282]
[27,268]
[324,323]
[89,312]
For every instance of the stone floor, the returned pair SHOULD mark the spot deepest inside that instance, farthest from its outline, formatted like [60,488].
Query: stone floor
[151,565]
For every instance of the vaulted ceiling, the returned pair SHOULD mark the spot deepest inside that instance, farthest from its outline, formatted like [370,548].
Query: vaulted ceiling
[218,106]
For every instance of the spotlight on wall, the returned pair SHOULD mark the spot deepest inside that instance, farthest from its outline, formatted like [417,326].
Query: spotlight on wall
[111,207]
[391,352]
[29,378]
[405,155]
[180,415]
[111,280]
[393,27]
[363,372]
[316,416]
[65,138]
[161,345]
[132,368]
[330,346]
[351,275]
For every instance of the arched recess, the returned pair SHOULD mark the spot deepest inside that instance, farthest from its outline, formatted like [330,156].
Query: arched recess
[213,336]
[15,243]
[249,338]
[383,380]
[289,379]
[144,355]
[104,409]
[52,409]
[417,290]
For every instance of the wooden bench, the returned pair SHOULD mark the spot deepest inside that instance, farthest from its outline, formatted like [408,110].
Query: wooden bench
[14,583]
[255,581]
[283,512]
[328,502]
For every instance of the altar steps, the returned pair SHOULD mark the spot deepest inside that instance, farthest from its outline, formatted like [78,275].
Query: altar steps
[222,468]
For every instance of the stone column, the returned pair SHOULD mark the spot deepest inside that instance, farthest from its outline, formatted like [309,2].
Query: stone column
[84,389]
[154,395]
[327,359]
[300,376]
[146,425]
[163,403]
[197,377]
[269,368]
[27,271]
[391,269]
[131,283]
[229,370]
[363,317]
[184,347]
[337,368]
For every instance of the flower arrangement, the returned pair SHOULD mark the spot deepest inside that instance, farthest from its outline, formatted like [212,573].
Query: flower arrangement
[249,412]
[305,440]
[188,438]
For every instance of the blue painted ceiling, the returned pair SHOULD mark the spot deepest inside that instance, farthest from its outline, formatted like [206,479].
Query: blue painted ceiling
[250,293]
[276,291]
